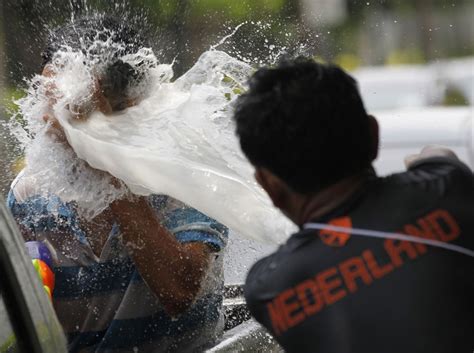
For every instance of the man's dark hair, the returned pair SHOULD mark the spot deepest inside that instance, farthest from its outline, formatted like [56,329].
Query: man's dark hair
[81,34]
[306,123]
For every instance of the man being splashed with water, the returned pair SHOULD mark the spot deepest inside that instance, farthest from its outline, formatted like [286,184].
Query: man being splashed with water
[305,129]
[146,273]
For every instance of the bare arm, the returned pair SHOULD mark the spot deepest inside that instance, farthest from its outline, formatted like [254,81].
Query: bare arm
[172,270]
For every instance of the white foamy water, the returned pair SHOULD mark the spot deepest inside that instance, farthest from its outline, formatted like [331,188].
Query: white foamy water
[179,141]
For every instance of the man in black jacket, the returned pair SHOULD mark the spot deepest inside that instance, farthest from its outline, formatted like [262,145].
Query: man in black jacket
[304,127]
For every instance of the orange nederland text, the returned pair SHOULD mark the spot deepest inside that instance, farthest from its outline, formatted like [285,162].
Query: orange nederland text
[295,304]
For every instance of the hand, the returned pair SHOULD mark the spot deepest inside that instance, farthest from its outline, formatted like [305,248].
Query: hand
[51,90]
[55,130]
[95,102]
[430,151]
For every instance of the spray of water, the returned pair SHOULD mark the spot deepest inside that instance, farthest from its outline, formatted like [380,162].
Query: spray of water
[178,140]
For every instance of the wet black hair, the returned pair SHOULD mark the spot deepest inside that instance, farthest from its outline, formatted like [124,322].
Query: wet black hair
[80,35]
[306,123]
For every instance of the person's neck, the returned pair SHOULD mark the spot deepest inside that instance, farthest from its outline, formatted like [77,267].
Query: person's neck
[325,201]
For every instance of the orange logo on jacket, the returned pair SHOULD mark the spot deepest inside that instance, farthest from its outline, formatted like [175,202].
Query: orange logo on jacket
[333,238]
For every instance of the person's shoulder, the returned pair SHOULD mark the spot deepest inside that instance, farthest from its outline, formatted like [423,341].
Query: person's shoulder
[438,160]
[436,167]
[259,270]
[258,280]
[188,224]
[21,192]
[22,187]
[275,272]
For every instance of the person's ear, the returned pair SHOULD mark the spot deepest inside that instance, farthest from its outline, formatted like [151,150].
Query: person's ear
[273,185]
[374,136]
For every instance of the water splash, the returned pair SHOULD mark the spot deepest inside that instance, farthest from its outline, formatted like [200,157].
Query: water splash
[224,39]
[178,140]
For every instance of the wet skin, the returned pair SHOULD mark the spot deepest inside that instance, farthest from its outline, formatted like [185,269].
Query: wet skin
[172,270]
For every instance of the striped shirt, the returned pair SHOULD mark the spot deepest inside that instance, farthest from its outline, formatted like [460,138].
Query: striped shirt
[102,302]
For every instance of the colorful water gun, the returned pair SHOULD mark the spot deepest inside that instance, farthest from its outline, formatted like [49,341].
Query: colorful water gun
[43,262]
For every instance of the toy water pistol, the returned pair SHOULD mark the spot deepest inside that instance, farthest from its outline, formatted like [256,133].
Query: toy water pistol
[42,261]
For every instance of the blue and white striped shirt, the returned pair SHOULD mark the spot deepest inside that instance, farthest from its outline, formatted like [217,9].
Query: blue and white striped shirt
[102,302]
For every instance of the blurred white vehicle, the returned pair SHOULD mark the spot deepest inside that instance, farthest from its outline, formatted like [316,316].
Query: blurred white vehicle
[405,132]
[415,86]
[384,88]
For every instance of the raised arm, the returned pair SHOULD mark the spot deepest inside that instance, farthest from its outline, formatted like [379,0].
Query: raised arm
[172,270]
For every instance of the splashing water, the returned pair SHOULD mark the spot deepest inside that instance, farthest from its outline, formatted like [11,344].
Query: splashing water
[179,140]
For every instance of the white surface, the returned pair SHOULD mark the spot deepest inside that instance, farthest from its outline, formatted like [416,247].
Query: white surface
[398,87]
[411,86]
[405,132]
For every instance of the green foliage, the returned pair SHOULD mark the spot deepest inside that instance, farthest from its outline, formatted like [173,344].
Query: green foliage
[7,103]
[319,59]
[454,97]
[236,88]
[164,11]
[238,10]
[406,56]
[9,346]
[347,61]
[11,95]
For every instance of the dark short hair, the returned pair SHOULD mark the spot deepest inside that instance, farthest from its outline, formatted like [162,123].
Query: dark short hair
[81,34]
[306,123]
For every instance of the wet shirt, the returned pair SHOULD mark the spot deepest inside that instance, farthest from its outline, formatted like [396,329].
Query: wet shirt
[102,302]
[334,292]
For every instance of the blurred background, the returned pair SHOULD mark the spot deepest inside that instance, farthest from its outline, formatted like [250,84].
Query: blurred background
[405,53]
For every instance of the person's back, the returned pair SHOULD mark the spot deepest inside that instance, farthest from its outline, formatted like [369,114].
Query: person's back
[327,289]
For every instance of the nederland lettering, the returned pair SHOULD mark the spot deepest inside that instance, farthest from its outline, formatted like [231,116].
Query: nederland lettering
[295,304]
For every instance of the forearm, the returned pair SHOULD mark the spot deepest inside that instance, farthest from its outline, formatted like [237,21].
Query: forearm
[172,270]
